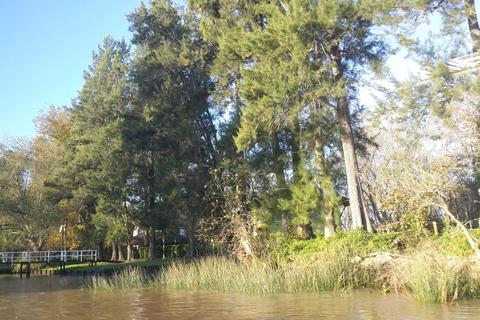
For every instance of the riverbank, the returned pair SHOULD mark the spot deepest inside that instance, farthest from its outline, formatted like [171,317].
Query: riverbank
[101,268]
[428,270]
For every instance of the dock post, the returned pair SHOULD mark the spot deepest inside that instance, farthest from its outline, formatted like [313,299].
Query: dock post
[28,269]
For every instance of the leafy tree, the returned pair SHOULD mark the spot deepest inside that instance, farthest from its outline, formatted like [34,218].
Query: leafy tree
[97,159]
[412,179]
[171,129]
[28,207]
[317,50]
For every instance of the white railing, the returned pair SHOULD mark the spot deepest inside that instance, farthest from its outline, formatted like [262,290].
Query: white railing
[47,256]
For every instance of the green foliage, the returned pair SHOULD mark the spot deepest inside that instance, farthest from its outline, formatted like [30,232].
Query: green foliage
[171,251]
[143,252]
[29,210]
[169,129]
[305,202]
[283,249]
[96,160]
[453,242]
[418,222]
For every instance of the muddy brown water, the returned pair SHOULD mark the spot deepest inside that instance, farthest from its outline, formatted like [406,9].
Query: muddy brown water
[55,297]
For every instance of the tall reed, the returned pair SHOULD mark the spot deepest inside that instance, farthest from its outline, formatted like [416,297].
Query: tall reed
[336,272]
[128,278]
[439,278]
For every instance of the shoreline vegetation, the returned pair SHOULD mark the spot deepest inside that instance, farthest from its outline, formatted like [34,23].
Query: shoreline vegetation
[243,128]
[432,269]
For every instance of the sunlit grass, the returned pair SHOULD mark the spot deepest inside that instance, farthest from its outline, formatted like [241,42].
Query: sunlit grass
[426,274]
[128,278]
[334,272]
[435,277]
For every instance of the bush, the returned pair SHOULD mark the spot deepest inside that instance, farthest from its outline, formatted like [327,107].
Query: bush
[282,249]
[143,252]
[454,242]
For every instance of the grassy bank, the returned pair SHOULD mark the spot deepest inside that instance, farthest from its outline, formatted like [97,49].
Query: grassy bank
[5,269]
[424,270]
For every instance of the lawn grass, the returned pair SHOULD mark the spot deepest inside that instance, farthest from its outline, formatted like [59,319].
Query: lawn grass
[112,266]
[5,269]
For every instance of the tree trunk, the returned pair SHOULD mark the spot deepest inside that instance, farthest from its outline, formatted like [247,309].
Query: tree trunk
[192,241]
[305,231]
[351,167]
[473,25]
[285,225]
[129,251]
[120,253]
[145,237]
[163,244]
[327,209]
[280,176]
[114,252]
[357,203]
[321,166]
[329,223]
[152,254]
[294,145]
[100,251]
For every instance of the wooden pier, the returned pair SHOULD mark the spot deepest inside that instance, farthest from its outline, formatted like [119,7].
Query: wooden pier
[26,258]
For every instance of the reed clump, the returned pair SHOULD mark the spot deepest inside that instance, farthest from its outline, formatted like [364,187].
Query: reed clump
[128,278]
[434,277]
[333,272]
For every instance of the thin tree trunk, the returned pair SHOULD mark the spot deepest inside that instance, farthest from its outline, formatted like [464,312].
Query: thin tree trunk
[100,251]
[145,237]
[114,252]
[280,175]
[192,241]
[365,218]
[129,251]
[473,25]
[293,141]
[321,165]
[163,244]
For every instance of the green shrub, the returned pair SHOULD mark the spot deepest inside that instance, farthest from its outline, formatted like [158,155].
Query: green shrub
[454,242]
[357,242]
[135,253]
[143,252]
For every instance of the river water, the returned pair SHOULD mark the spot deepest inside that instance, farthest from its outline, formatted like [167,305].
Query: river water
[55,297]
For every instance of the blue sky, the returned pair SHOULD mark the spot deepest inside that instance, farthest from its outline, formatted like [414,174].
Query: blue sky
[44,47]
[46,44]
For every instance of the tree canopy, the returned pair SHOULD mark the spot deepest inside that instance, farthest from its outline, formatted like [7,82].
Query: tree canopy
[267,92]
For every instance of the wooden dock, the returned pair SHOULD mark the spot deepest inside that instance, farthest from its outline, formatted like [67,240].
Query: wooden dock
[26,258]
